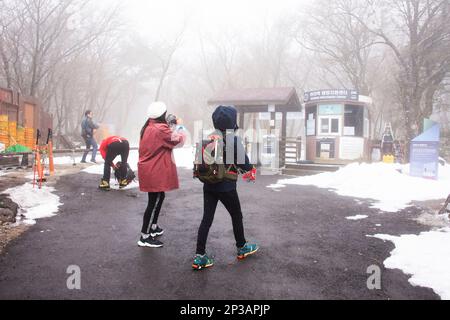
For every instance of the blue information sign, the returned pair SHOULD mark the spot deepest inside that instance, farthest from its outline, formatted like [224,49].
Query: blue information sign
[425,154]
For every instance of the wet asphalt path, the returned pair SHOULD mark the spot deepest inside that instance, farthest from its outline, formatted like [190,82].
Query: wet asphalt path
[308,249]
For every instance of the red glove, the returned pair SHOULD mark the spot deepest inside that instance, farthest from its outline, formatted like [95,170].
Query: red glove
[250,176]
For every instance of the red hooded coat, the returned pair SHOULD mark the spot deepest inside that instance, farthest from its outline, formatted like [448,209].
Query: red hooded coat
[157,170]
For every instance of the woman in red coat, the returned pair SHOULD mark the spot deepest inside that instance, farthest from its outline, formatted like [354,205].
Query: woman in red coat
[157,170]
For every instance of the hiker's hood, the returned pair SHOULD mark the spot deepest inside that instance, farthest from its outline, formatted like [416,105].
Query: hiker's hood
[225,118]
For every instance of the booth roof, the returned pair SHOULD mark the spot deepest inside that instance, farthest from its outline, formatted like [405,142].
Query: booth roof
[257,97]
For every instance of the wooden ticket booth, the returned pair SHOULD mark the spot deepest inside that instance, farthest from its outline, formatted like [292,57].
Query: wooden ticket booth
[337,126]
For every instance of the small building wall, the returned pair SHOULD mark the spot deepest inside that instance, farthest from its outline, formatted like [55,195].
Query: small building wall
[337,130]
[25,116]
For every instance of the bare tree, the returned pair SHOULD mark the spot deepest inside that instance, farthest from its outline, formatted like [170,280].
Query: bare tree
[61,52]
[344,45]
[419,37]
[40,37]
[166,60]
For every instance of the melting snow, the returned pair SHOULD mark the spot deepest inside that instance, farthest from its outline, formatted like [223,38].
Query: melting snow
[184,158]
[426,257]
[66,160]
[276,187]
[357,217]
[389,185]
[35,203]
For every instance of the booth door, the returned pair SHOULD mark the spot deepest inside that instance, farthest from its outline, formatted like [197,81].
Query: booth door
[326,149]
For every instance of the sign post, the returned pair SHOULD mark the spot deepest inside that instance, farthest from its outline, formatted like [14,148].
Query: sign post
[425,152]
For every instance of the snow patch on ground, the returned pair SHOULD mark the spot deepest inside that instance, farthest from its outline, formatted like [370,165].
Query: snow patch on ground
[133,185]
[184,158]
[97,169]
[276,187]
[388,184]
[94,169]
[35,203]
[66,160]
[357,217]
[426,257]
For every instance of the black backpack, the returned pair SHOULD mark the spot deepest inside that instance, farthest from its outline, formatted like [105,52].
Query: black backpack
[209,164]
[130,175]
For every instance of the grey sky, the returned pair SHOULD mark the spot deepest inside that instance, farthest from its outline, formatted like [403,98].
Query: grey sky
[151,17]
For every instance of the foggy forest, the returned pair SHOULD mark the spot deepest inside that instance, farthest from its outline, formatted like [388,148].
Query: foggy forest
[78,55]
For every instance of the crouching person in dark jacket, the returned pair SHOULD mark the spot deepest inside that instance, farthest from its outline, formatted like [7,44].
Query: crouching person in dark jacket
[220,183]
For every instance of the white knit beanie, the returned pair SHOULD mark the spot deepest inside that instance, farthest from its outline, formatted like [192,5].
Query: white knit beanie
[156,110]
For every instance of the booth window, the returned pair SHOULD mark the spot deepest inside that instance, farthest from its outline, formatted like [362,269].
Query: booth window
[330,125]
[354,121]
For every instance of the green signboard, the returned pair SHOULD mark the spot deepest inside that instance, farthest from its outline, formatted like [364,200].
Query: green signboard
[330,109]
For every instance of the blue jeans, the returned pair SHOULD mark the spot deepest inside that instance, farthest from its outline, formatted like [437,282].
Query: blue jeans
[90,142]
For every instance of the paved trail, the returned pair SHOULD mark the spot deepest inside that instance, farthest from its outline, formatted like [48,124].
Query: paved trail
[308,249]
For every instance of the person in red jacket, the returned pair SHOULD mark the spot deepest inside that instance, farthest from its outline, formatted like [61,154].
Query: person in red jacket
[156,170]
[110,148]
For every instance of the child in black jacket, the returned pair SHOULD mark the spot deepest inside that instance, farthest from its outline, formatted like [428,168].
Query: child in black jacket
[225,120]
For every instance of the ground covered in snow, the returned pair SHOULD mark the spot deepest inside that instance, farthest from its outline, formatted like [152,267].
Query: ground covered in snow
[388,186]
[426,257]
[35,203]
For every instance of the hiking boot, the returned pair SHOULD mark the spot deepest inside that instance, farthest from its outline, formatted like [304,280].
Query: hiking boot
[202,262]
[104,185]
[123,183]
[157,232]
[150,242]
[247,250]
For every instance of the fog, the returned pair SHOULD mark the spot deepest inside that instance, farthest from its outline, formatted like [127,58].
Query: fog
[159,21]
[214,15]
[116,57]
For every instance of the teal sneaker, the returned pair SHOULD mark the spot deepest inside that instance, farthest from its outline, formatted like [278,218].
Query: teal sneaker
[247,250]
[202,262]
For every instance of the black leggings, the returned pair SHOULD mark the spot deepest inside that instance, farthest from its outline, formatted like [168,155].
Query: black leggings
[115,149]
[231,202]
[155,202]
